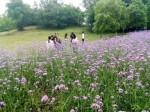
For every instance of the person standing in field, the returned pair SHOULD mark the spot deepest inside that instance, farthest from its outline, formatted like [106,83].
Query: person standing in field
[58,43]
[71,38]
[50,43]
[83,37]
[74,42]
[66,39]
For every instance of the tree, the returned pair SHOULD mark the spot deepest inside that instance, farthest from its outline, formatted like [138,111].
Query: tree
[128,2]
[148,14]
[6,23]
[144,2]
[57,15]
[20,12]
[89,5]
[110,16]
[138,15]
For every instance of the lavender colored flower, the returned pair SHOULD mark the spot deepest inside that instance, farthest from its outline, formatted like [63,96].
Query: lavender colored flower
[130,77]
[112,97]
[95,105]
[66,88]
[44,74]
[100,110]
[99,103]
[120,90]
[115,106]
[84,98]
[44,98]
[72,110]
[146,94]
[17,80]
[53,100]
[102,93]
[144,111]
[2,104]
[97,97]
[76,97]
[23,81]
[30,91]
[138,84]
[61,86]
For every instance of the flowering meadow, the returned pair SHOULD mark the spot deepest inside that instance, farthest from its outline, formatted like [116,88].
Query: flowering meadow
[107,75]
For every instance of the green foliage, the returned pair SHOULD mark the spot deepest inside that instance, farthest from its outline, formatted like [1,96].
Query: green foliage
[6,23]
[148,14]
[89,5]
[110,16]
[57,15]
[20,12]
[138,14]
[145,1]
[128,2]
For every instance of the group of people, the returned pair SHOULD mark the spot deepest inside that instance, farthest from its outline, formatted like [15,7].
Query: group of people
[54,42]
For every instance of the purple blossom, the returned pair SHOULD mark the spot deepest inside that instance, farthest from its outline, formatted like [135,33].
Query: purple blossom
[138,84]
[53,100]
[76,97]
[84,98]
[30,91]
[2,104]
[95,105]
[17,80]
[44,98]
[144,111]
[97,97]
[120,90]
[115,106]
[130,77]
[112,97]
[72,110]
[23,81]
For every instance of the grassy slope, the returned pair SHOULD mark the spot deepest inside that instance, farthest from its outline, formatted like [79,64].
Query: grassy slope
[16,38]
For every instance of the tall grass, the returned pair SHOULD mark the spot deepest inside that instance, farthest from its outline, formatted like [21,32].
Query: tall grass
[100,76]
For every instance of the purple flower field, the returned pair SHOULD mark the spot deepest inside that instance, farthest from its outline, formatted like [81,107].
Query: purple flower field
[107,75]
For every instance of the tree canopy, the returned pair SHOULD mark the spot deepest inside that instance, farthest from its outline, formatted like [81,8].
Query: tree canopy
[100,15]
[57,15]
[138,14]
[148,14]
[89,5]
[110,16]
[20,12]
[6,23]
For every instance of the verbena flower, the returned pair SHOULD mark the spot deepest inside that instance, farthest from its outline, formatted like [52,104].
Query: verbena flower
[120,90]
[95,105]
[44,98]
[72,110]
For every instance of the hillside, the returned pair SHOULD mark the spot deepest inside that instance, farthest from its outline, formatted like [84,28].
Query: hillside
[15,38]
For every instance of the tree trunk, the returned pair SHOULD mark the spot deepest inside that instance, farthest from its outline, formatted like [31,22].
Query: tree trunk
[20,26]
[101,35]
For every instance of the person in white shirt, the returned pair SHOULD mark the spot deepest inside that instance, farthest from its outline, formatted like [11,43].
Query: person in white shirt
[74,42]
[50,43]
[66,39]
[82,37]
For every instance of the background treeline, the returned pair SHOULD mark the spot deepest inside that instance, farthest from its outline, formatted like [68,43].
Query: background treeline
[46,14]
[101,16]
[117,15]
